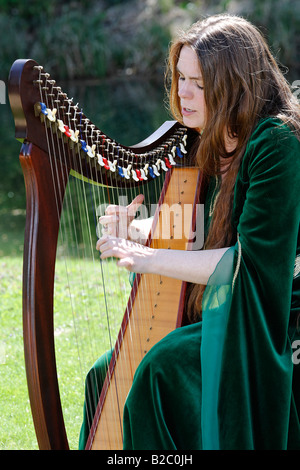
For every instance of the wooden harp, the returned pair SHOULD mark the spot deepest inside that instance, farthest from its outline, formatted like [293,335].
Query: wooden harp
[59,140]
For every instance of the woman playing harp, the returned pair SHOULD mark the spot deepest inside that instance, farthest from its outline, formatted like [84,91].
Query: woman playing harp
[227,380]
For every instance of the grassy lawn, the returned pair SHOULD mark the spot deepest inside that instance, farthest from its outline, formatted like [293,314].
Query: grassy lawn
[80,338]
[81,331]
[16,428]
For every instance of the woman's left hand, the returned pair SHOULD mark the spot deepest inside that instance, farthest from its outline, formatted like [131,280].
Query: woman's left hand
[131,255]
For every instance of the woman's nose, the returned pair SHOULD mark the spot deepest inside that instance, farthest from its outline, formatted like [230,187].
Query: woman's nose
[184,90]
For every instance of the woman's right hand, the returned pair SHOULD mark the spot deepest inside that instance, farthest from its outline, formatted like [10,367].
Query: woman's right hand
[117,219]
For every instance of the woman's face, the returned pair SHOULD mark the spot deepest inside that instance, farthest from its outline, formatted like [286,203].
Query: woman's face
[190,89]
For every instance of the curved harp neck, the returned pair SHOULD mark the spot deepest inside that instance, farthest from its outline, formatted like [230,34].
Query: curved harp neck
[41,107]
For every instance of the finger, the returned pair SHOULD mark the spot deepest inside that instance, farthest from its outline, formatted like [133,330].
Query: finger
[109,225]
[135,204]
[125,263]
[101,242]
[106,230]
[112,249]
[108,242]
[114,209]
[108,219]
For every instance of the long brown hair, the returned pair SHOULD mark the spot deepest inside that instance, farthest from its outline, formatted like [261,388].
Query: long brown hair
[242,84]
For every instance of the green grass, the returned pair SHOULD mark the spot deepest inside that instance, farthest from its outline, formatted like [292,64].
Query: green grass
[81,335]
[16,428]
[80,316]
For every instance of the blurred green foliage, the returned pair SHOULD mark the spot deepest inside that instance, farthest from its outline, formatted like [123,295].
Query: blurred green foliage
[279,20]
[97,38]
[106,38]
[79,39]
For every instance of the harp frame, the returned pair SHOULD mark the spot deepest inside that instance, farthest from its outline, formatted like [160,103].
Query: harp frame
[43,211]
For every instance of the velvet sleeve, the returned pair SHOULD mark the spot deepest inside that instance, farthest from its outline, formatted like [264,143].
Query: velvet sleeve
[249,378]
[256,380]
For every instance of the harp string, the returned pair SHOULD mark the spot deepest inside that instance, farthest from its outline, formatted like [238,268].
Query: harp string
[59,196]
[65,214]
[69,212]
[115,409]
[68,202]
[94,194]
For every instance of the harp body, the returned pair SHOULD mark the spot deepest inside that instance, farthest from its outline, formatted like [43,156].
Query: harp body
[155,308]
[46,166]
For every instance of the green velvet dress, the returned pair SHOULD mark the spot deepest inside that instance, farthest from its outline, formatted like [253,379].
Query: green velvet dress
[232,381]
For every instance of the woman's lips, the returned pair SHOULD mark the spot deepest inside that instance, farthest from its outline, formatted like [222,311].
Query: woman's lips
[187,111]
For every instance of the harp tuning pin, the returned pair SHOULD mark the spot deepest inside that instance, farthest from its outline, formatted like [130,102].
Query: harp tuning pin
[168,163]
[61,126]
[112,165]
[44,109]
[74,136]
[83,145]
[143,174]
[91,150]
[51,114]
[171,159]
[100,159]
[151,172]
[163,165]
[155,170]
[134,175]
[105,163]
[182,148]
[67,131]
[139,175]
[179,153]
[126,172]
[120,171]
